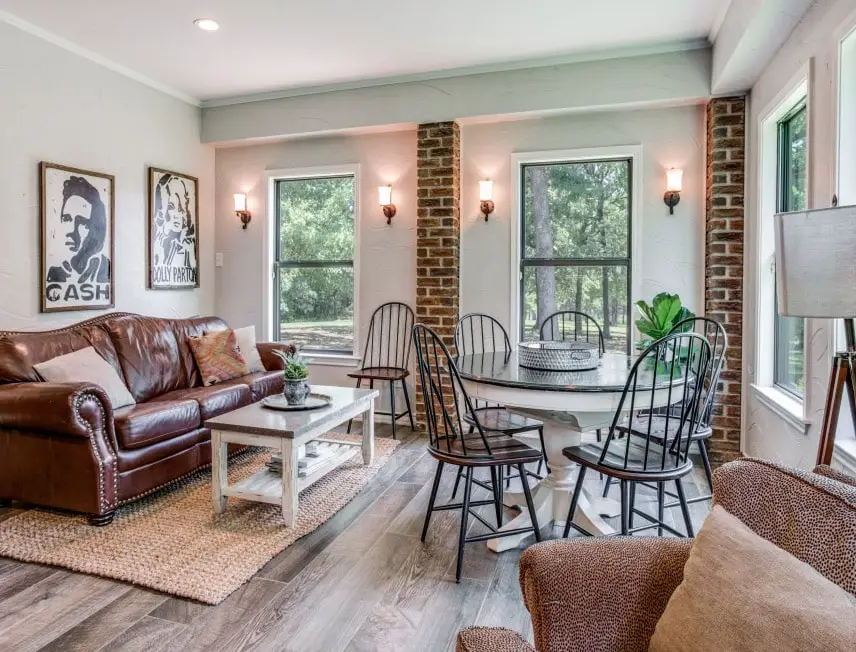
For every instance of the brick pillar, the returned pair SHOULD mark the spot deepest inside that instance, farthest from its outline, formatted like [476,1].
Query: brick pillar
[438,233]
[723,301]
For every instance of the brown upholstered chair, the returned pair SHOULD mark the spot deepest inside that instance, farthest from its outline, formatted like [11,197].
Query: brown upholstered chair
[607,594]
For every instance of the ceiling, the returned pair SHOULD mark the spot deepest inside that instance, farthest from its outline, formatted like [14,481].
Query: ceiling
[273,45]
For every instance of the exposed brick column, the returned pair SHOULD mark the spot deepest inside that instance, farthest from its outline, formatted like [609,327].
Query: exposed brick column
[723,301]
[438,233]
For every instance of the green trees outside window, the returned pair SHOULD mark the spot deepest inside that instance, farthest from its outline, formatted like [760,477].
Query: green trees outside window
[576,245]
[315,263]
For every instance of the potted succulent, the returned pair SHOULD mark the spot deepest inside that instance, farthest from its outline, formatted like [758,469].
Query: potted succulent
[295,372]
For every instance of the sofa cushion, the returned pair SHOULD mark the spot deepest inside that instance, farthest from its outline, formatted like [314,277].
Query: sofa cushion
[144,424]
[86,366]
[808,515]
[218,357]
[20,352]
[149,354]
[742,593]
[184,329]
[214,400]
[264,383]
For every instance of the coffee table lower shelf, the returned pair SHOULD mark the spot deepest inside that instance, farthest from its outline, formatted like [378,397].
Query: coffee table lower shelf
[265,486]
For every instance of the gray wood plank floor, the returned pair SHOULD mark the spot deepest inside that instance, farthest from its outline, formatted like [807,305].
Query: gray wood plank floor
[361,582]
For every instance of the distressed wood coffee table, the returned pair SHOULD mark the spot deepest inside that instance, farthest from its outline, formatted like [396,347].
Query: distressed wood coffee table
[291,433]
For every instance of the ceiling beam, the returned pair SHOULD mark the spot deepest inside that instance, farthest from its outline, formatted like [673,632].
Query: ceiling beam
[750,34]
[653,80]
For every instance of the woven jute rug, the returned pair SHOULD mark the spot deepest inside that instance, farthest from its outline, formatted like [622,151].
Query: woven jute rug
[172,542]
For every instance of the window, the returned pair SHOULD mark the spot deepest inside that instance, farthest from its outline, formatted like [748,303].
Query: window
[791,183]
[575,245]
[314,262]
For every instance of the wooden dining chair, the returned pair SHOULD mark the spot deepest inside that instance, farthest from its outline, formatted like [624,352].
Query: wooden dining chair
[715,334]
[450,442]
[386,355]
[572,325]
[477,333]
[666,374]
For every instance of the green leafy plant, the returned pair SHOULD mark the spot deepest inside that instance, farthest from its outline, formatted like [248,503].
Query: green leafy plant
[659,318]
[295,367]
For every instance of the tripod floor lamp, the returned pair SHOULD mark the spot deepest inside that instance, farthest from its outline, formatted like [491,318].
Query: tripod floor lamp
[816,277]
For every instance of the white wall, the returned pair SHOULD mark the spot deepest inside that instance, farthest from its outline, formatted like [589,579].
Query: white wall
[61,108]
[387,255]
[814,43]
[670,247]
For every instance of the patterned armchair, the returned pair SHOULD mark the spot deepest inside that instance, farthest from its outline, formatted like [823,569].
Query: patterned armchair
[607,594]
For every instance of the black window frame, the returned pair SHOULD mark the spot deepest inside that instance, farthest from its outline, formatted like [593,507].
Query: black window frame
[783,205]
[619,261]
[280,264]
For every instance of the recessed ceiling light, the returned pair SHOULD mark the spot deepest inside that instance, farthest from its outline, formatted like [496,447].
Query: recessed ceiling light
[206,24]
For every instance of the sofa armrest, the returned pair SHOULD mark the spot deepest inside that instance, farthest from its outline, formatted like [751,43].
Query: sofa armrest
[491,639]
[71,409]
[271,361]
[600,595]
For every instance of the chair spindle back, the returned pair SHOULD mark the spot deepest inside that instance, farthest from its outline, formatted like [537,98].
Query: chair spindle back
[446,400]
[572,325]
[389,340]
[664,375]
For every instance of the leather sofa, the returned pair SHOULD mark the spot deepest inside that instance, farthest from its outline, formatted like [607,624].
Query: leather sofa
[63,446]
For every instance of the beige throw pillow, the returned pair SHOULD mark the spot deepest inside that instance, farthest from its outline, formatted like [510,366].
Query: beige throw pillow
[246,337]
[742,593]
[86,366]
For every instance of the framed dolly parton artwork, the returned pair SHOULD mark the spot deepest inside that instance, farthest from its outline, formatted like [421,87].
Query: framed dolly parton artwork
[77,238]
[173,230]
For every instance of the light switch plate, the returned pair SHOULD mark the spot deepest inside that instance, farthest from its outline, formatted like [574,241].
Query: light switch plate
[218,259]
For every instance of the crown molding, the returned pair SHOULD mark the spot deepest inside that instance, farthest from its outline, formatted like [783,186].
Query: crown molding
[94,57]
[600,55]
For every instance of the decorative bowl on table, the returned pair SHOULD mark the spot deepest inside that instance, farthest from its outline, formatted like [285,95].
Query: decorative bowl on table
[574,355]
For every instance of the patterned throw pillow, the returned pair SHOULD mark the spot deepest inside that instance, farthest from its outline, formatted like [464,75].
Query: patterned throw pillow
[217,357]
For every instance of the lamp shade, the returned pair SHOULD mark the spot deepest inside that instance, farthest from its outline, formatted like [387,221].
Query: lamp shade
[384,195]
[485,190]
[816,263]
[674,180]
[240,201]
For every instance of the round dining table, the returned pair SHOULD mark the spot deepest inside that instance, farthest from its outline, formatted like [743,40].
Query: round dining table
[569,404]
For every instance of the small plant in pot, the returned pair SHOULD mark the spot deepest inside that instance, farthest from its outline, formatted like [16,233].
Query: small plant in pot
[659,318]
[295,372]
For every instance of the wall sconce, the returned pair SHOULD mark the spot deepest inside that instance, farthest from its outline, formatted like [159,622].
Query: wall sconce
[384,197]
[674,181]
[486,197]
[241,209]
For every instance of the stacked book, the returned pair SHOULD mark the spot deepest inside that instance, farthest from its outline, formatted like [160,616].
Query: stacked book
[307,460]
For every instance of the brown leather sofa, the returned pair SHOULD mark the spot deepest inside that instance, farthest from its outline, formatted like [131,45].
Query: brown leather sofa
[606,594]
[63,446]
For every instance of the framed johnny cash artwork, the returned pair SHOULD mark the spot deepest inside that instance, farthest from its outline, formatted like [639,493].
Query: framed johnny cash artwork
[173,230]
[77,237]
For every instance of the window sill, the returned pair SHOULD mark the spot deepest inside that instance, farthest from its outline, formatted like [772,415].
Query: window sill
[784,405]
[332,359]
[844,456]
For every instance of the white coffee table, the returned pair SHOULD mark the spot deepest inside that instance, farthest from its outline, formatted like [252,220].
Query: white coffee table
[289,432]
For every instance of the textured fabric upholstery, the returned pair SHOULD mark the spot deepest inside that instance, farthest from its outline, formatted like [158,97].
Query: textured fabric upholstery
[606,595]
[835,474]
[495,639]
[588,595]
[811,516]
